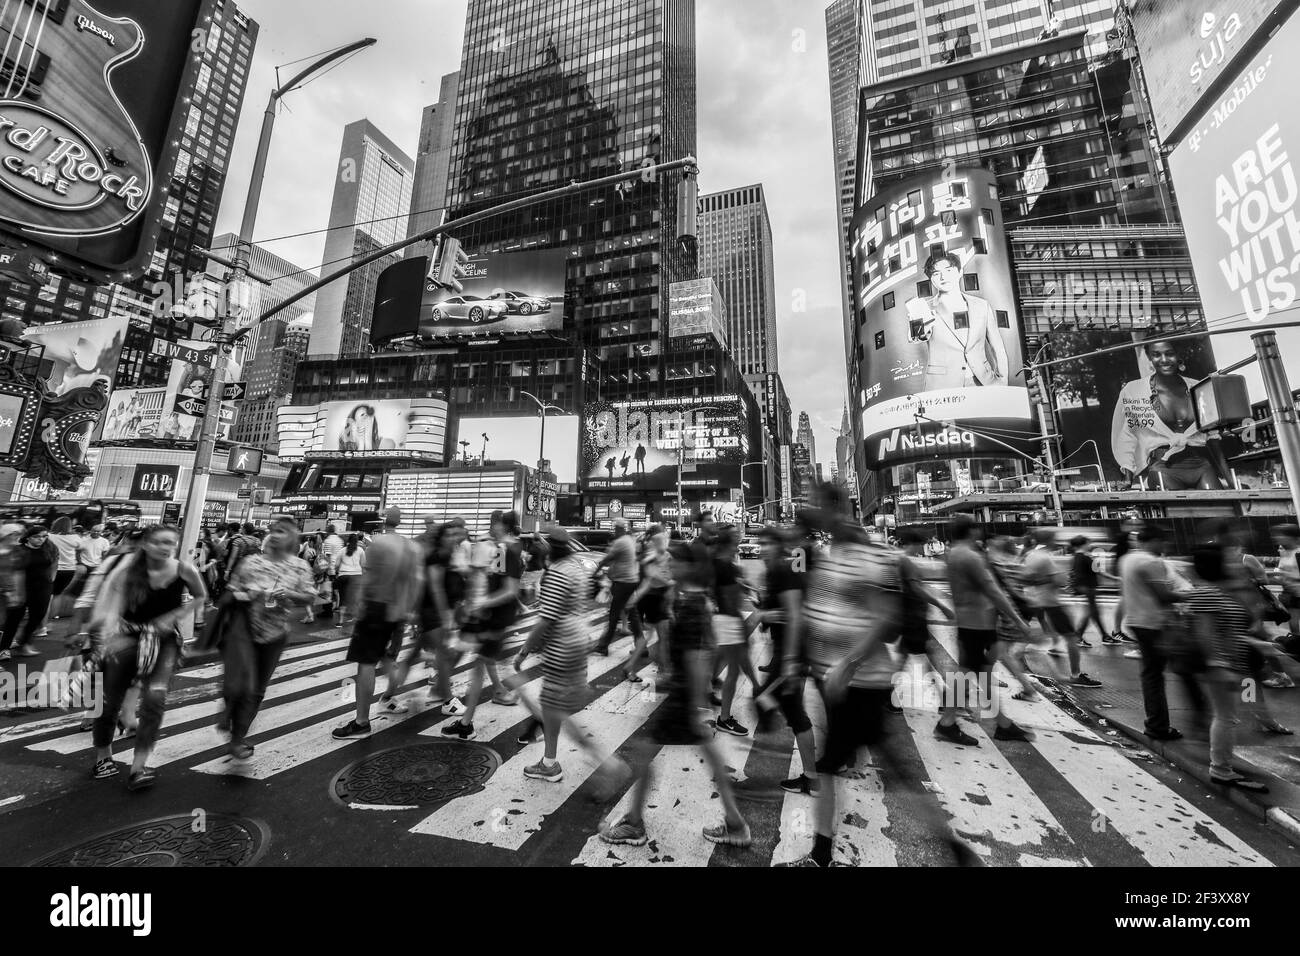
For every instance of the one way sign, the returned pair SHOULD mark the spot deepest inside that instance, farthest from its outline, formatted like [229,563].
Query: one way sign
[234,391]
[195,407]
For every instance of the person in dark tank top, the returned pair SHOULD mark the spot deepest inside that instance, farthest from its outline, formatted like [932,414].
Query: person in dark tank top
[136,630]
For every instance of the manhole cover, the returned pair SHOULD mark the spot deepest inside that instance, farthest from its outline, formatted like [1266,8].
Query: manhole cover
[211,840]
[416,775]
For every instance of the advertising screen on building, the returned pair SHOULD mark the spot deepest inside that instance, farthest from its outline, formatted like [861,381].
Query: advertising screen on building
[1186,47]
[503,292]
[1238,178]
[634,446]
[94,125]
[1136,405]
[389,428]
[82,353]
[939,330]
[696,308]
[517,438]
[134,413]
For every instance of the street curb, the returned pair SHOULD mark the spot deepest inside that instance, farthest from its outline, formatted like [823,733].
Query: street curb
[1278,816]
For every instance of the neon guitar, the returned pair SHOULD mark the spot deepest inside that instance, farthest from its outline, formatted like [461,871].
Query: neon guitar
[71,159]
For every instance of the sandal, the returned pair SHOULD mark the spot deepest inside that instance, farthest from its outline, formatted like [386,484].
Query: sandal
[141,779]
[104,769]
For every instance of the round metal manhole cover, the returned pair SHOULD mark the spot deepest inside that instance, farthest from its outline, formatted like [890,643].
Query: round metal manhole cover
[213,839]
[417,775]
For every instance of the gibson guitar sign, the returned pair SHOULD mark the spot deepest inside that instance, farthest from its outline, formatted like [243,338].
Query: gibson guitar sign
[75,164]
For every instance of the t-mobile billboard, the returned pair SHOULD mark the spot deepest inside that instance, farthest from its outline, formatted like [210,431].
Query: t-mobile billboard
[940,337]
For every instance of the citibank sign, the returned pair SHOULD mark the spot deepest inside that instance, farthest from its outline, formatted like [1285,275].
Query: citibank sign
[53,165]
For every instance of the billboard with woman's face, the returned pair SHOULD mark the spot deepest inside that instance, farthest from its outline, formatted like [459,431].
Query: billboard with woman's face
[938,333]
[1136,405]
[366,426]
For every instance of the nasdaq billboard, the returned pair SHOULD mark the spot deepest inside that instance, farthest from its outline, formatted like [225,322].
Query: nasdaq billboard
[939,331]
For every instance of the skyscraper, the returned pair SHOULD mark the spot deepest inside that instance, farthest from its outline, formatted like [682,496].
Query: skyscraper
[268,364]
[804,436]
[572,90]
[913,35]
[735,249]
[432,162]
[372,201]
[844,42]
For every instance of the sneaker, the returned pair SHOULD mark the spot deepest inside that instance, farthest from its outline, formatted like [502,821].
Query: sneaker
[1027,696]
[1128,638]
[625,833]
[141,779]
[1170,734]
[800,784]
[351,729]
[1133,655]
[632,678]
[1081,642]
[731,726]
[240,751]
[804,861]
[458,729]
[1111,639]
[553,773]
[724,834]
[5,655]
[391,705]
[530,735]
[505,700]
[1279,681]
[338,623]
[1014,732]
[452,708]
[25,651]
[1083,680]
[955,735]
[42,632]
[104,769]
[1056,652]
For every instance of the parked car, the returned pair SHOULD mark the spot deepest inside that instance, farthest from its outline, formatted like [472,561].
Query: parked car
[467,308]
[749,548]
[595,539]
[521,303]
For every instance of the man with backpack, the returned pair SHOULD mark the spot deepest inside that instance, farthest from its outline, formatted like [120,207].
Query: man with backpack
[243,542]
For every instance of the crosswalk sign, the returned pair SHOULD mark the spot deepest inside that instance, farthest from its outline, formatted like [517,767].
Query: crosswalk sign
[244,460]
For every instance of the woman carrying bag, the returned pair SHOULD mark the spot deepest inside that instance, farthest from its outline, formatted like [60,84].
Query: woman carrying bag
[137,634]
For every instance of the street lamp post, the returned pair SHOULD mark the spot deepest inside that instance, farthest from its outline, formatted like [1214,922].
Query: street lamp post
[744,502]
[542,409]
[228,335]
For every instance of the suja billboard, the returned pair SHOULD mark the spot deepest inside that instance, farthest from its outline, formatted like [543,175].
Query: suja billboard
[939,332]
[388,428]
[1136,405]
[1187,47]
[503,292]
[90,116]
[635,446]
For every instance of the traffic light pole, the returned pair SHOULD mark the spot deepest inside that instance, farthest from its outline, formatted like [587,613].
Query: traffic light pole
[1282,405]
[230,333]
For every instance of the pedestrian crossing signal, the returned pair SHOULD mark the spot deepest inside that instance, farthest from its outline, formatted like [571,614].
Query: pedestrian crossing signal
[453,265]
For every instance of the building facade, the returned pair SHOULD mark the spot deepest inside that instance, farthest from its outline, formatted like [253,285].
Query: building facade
[804,436]
[371,205]
[846,58]
[735,250]
[432,164]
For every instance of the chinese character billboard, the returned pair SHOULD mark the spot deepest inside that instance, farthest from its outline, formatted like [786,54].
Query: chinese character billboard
[939,330]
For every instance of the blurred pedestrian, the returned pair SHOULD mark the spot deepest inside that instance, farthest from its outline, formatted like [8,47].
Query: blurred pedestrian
[1085,581]
[732,626]
[36,560]
[136,628]
[390,594]
[273,584]
[651,601]
[620,564]
[349,563]
[1043,593]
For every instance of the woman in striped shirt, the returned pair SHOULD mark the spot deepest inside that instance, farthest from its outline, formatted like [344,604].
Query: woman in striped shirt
[1221,630]
[566,601]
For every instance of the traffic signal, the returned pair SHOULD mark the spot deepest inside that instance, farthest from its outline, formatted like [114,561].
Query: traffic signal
[687,202]
[1035,386]
[453,264]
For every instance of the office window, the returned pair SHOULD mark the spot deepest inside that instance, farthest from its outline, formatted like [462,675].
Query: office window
[888,301]
[970,282]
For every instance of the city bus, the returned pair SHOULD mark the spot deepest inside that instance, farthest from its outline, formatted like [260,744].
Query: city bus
[84,512]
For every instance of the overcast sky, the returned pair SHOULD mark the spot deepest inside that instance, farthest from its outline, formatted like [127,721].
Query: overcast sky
[764,116]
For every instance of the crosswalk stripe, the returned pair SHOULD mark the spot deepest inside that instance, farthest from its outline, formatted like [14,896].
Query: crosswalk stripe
[511,807]
[300,746]
[208,671]
[1164,828]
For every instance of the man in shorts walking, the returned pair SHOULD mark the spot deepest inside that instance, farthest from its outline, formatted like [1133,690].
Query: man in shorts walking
[390,589]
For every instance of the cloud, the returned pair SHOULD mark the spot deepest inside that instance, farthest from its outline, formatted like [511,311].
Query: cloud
[763,115]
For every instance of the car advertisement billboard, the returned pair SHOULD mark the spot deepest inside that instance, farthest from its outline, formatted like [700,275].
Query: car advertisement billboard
[1131,412]
[95,121]
[1186,48]
[388,428]
[940,335]
[518,438]
[635,446]
[1238,185]
[502,292]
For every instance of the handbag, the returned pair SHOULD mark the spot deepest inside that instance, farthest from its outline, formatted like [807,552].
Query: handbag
[1185,640]
[1274,612]
[229,613]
